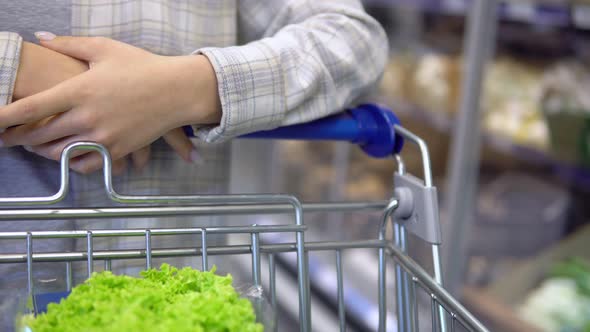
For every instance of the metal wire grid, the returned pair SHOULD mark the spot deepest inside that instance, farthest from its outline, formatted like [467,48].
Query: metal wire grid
[409,275]
[255,248]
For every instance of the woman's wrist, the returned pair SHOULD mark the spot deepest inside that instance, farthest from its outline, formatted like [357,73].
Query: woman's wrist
[41,68]
[200,103]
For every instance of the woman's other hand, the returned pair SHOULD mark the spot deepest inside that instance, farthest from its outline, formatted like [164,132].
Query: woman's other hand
[41,68]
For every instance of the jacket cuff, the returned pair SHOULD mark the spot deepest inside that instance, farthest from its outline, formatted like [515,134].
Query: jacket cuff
[251,90]
[10,47]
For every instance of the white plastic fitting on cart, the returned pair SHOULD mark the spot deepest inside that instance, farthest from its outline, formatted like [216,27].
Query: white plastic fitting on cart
[375,129]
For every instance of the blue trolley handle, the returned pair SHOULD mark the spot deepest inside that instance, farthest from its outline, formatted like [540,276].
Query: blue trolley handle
[370,126]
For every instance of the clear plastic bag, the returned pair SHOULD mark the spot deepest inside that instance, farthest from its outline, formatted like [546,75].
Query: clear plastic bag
[265,314]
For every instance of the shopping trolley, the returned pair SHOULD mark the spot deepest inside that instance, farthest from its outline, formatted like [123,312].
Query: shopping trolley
[413,208]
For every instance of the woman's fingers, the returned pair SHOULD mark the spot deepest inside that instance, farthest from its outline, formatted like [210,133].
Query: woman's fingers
[92,162]
[38,106]
[180,143]
[54,149]
[90,49]
[183,146]
[87,162]
[29,135]
[81,161]
[43,131]
[141,157]
[119,166]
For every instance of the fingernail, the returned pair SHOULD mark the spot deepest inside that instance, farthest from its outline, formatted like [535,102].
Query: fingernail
[196,158]
[2,130]
[28,148]
[45,35]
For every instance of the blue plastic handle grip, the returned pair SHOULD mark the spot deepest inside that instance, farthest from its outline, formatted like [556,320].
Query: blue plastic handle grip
[370,126]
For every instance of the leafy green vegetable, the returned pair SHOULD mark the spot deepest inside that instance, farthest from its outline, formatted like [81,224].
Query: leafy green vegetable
[162,300]
[576,269]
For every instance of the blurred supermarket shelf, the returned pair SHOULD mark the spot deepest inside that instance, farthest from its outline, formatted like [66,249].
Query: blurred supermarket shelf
[554,13]
[443,122]
[534,115]
[534,111]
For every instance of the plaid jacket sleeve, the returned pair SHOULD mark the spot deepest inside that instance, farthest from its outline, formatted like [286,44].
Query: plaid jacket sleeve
[10,45]
[302,60]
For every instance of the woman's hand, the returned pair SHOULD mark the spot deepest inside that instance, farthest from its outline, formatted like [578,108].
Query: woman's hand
[127,99]
[40,69]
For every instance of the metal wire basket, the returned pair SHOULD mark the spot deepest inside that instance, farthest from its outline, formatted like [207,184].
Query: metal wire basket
[413,208]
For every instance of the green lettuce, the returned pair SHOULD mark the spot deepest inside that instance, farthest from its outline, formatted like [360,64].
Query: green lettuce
[168,299]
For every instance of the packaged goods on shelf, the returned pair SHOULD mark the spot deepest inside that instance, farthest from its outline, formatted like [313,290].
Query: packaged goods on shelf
[397,78]
[436,82]
[565,88]
[566,104]
[430,81]
[512,93]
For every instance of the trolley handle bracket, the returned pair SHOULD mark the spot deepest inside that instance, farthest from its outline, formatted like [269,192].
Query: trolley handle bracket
[418,207]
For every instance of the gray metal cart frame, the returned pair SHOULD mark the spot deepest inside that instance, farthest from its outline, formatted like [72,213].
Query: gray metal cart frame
[405,211]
